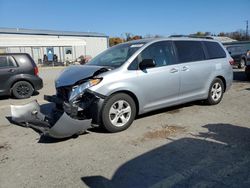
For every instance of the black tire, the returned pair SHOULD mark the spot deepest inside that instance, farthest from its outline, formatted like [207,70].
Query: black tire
[120,113]
[22,90]
[242,64]
[215,86]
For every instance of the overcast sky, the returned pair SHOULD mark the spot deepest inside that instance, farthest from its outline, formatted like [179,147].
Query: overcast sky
[114,17]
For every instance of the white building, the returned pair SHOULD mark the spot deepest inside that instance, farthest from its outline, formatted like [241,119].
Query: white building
[42,44]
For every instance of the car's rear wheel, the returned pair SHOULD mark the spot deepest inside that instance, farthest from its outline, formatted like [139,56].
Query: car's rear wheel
[22,90]
[118,112]
[216,91]
[242,64]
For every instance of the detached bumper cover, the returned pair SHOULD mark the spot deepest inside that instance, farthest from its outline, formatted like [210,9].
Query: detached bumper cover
[63,127]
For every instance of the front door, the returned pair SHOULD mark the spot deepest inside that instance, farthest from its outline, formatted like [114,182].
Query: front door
[160,85]
[50,54]
[68,54]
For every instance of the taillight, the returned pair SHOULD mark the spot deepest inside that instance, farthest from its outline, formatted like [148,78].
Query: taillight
[231,62]
[36,71]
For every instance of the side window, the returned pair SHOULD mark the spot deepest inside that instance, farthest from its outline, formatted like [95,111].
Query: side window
[161,52]
[11,62]
[189,51]
[3,61]
[7,61]
[214,50]
[241,49]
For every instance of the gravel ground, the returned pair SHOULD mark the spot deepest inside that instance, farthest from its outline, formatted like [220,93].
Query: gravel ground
[190,145]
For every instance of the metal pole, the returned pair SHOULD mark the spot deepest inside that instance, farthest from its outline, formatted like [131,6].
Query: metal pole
[247,30]
[60,54]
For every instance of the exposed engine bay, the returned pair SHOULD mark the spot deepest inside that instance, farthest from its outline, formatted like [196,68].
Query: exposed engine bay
[76,107]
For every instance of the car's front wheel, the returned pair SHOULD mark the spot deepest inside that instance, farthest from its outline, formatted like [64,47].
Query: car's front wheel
[118,112]
[22,90]
[216,91]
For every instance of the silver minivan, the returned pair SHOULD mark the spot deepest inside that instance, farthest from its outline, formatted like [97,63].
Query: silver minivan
[140,76]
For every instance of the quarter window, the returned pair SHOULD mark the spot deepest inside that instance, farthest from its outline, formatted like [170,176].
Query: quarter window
[189,51]
[214,50]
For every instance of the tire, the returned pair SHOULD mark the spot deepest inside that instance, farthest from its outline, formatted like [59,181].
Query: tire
[22,90]
[216,91]
[242,64]
[118,112]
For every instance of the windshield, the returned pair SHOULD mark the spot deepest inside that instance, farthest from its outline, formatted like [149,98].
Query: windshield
[116,56]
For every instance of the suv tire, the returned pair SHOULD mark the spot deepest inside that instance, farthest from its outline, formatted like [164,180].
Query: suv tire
[22,90]
[216,91]
[242,64]
[118,112]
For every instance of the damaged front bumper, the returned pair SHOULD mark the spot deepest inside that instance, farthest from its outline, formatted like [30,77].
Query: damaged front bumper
[58,127]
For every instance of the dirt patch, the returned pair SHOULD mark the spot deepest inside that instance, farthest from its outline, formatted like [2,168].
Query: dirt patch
[3,156]
[4,146]
[163,133]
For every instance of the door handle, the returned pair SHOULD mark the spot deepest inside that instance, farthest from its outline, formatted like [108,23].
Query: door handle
[173,70]
[185,68]
[11,70]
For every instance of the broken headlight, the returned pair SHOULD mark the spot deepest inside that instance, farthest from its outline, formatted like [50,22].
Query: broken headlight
[77,91]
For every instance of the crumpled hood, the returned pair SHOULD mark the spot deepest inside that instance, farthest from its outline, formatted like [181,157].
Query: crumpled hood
[74,73]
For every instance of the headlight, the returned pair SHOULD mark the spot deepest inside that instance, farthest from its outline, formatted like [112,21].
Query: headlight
[77,91]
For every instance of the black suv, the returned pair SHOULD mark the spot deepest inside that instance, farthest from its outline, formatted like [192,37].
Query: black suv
[239,54]
[18,75]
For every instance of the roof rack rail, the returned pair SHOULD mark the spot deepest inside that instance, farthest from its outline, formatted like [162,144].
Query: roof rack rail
[192,36]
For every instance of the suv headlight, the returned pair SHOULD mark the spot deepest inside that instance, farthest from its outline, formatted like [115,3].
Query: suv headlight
[79,90]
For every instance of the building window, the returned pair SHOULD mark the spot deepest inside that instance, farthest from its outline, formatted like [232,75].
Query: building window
[3,50]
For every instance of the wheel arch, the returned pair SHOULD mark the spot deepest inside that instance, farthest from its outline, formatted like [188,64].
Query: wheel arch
[18,80]
[132,95]
[224,82]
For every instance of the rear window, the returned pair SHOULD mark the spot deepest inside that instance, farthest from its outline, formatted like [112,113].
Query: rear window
[189,51]
[214,50]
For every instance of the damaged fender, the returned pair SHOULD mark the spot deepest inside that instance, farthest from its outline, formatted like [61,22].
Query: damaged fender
[31,116]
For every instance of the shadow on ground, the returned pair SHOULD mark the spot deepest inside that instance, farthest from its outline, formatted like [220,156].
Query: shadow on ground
[218,158]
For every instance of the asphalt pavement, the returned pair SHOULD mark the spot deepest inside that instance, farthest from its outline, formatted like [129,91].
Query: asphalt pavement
[190,145]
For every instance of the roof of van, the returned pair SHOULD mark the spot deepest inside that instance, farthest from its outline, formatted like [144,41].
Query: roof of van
[147,40]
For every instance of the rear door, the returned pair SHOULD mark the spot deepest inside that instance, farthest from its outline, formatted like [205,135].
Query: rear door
[194,69]
[8,68]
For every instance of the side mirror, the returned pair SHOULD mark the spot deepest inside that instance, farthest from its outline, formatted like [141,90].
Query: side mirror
[146,63]
[230,53]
